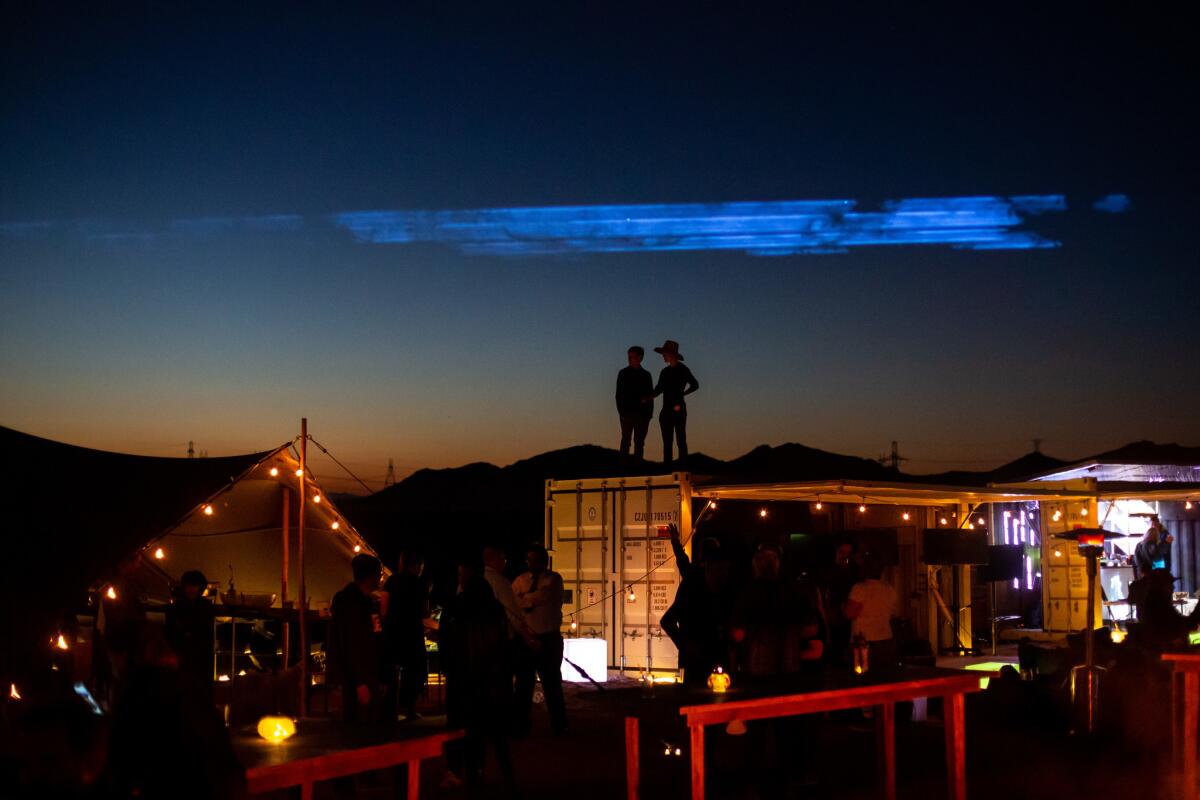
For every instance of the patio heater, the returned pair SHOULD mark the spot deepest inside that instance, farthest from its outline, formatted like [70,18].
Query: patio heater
[1085,677]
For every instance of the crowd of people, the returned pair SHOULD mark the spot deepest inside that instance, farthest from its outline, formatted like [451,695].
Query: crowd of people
[495,640]
[772,626]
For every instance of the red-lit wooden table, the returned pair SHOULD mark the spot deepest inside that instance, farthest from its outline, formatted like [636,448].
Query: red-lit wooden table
[812,695]
[322,750]
[1185,714]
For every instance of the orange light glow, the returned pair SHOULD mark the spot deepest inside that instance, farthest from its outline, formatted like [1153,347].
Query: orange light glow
[762,512]
[316,498]
[357,549]
[12,692]
[159,553]
[906,516]
[208,510]
[335,524]
[299,473]
[273,472]
[61,643]
[862,509]
[111,594]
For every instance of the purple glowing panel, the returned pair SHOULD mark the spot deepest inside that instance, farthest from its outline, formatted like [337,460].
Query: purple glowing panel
[768,228]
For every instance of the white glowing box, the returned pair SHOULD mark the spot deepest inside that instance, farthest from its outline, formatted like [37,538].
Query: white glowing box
[590,655]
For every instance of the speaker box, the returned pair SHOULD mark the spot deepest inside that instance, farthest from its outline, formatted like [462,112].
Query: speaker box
[954,546]
[1005,562]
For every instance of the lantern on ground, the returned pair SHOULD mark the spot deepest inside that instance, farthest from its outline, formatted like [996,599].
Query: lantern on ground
[276,729]
[719,681]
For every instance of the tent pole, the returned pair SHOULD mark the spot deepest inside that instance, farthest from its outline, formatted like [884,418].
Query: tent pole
[283,582]
[303,605]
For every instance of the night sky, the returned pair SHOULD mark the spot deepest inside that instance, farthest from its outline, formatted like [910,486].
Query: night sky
[135,118]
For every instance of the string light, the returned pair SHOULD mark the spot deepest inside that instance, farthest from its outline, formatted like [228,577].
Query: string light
[712,504]
[111,594]
[1058,553]
[862,509]
[574,624]
[1188,505]
[335,524]
[943,520]
[208,510]
[12,692]
[1057,515]
[819,505]
[762,513]
[979,522]
[159,553]
[1083,512]
[274,472]
[357,549]
[299,473]
[905,516]
[316,498]
[61,643]
[632,595]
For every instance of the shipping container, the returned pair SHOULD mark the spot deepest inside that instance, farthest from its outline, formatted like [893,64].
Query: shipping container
[608,538]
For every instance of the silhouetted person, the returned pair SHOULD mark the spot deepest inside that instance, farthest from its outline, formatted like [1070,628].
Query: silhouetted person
[773,622]
[698,620]
[674,383]
[167,739]
[404,633]
[539,592]
[635,403]
[189,630]
[1159,623]
[837,582]
[473,642]
[494,562]
[1154,550]
[870,608]
[353,651]
[705,549]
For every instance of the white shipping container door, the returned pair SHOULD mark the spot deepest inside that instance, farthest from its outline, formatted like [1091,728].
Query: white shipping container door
[605,539]
[580,516]
[1064,570]
[648,567]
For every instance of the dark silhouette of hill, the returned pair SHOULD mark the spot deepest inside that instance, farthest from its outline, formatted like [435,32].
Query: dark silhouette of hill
[1026,466]
[445,510]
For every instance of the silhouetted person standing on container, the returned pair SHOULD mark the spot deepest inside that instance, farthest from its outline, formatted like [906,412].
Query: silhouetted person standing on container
[189,630]
[539,592]
[635,403]
[674,382]
[353,656]
[404,633]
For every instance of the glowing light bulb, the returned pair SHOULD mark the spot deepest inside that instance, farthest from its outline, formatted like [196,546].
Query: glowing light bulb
[273,472]
[111,594]
[970,526]
[631,596]
[979,522]
[357,548]
[223,679]
[335,524]
[819,505]
[1083,512]
[159,553]
[299,473]
[574,625]
[943,520]
[12,692]
[1057,516]
[905,516]
[1058,553]
[678,751]
[1188,505]
[862,509]
[762,512]
[61,643]
[316,498]
[667,751]
[712,504]
[208,510]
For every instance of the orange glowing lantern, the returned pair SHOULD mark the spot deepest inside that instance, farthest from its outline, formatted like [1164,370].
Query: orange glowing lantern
[719,681]
[276,729]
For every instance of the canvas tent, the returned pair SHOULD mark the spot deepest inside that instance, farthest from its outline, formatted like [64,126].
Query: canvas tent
[235,537]
[75,517]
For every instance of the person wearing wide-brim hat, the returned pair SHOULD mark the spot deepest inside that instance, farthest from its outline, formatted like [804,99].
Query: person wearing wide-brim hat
[674,382]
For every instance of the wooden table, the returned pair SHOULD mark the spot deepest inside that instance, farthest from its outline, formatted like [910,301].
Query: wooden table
[322,750]
[808,695]
[1185,713]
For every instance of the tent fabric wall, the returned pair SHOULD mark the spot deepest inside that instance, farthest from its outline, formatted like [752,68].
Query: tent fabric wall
[72,515]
